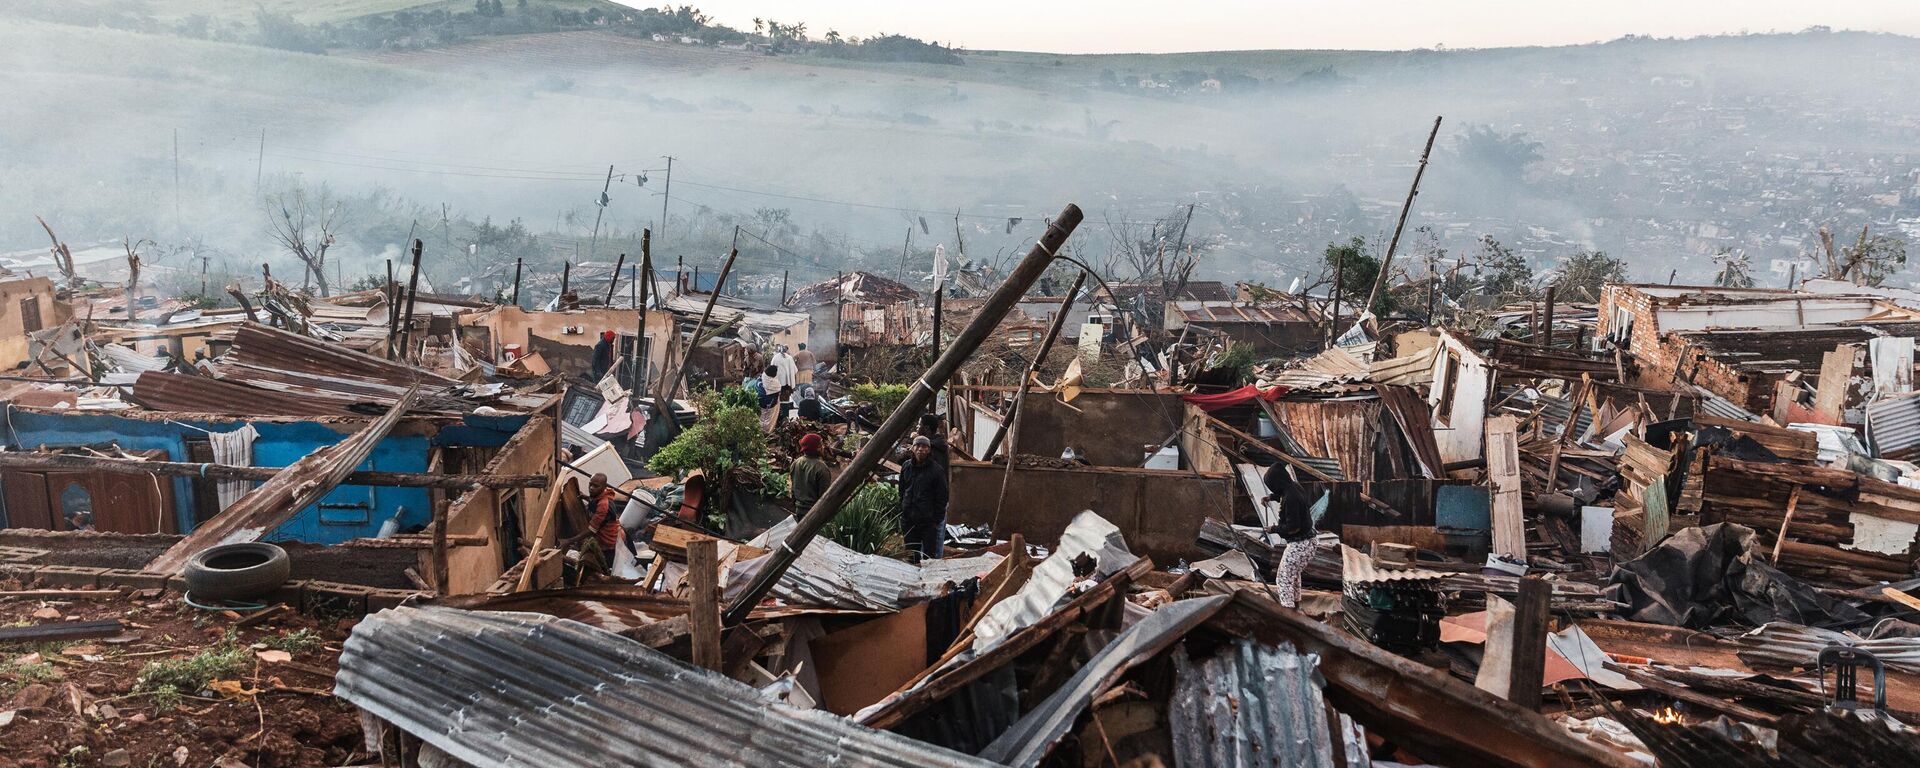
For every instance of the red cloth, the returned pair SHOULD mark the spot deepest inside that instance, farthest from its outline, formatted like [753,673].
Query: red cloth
[1244,394]
[606,520]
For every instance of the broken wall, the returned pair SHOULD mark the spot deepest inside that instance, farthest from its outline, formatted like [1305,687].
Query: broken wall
[26,305]
[502,513]
[1109,427]
[1159,511]
[513,325]
[1461,379]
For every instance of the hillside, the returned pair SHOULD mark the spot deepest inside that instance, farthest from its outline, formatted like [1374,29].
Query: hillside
[1662,150]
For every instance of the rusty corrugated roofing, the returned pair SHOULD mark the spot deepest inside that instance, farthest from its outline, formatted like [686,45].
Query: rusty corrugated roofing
[180,393]
[1209,312]
[269,359]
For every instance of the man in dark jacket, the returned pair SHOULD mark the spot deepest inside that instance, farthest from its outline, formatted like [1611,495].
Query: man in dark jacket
[923,500]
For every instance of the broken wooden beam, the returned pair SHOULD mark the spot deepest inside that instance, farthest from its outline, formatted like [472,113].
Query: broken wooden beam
[1529,654]
[278,500]
[703,604]
[60,462]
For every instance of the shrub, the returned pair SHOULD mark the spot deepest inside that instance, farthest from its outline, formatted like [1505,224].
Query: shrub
[884,398]
[727,437]
[869,523]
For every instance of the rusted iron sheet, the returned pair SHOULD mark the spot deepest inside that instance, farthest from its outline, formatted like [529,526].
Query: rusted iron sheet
[1441,719]
[293,489]
[179,393]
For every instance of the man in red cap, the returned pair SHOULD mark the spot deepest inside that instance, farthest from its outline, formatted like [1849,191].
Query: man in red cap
[603,355]
[809,474]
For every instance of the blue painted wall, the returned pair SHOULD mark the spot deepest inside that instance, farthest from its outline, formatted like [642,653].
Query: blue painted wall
[279,444]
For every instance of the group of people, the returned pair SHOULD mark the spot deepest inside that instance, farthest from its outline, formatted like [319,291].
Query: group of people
[785,385]
[922,484]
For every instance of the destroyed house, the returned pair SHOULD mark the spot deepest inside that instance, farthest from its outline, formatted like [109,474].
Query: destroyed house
[1270,328]
[859,310]
[27,305]
[272,400]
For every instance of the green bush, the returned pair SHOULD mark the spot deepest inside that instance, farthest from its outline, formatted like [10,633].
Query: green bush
[727,437]
[884,398]
[869,523]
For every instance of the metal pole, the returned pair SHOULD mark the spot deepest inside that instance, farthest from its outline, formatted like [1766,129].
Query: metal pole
[1046,345]
[905,416]
[1333,320]
[1405,208]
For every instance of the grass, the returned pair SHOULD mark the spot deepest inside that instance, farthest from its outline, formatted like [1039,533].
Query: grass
[296,642]
[169,679]
[22,675]
[869,523]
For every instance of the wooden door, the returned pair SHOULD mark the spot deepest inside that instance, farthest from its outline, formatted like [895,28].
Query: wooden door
[120,502]
[26,495]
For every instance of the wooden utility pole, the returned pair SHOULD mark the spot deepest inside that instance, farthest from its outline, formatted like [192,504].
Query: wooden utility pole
[645,278]
[260,163]
[1033,367]
[673,387]
[666,196]
[1333,320]
[566,277]
[1386,262]
[176,180]
[517,263]
[900,275]
[413,293]
[1546,332]
[593,245]
[614,282]
[992,311]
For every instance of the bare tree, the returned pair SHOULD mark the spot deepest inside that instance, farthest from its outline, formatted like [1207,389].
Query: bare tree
[62,258]
[1869,261]
[305,225]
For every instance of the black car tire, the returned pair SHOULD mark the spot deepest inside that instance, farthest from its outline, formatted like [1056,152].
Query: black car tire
[236,571]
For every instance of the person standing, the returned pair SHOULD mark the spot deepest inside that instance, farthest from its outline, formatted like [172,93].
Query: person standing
[603,518]
[804,361]
[1294,526]
[783,364]
[770,404]
[602,356]
[808,474]
[923,500]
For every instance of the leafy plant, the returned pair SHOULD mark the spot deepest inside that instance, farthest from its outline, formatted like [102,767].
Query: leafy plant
[727,437]
[884,398]
[22,675]
[169,679]
[869,523]
[1239,359]
[296,642]
[774,484]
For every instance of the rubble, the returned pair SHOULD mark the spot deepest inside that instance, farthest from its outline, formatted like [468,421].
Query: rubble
[1675,526]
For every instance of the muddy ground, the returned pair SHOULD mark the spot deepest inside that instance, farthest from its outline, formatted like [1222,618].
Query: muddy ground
[179,687]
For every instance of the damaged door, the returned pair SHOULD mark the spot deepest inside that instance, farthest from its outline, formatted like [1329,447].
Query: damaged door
[120,503]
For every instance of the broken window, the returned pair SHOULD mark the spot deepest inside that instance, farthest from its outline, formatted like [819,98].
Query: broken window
[30,314]
[1449,383]
[75,499]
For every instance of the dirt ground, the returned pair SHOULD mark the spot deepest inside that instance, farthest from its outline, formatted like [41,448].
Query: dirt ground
[107,702]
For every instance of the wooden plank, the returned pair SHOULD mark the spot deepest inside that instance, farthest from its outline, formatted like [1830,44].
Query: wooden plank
[540,538]
[1836,378]
[1529,654]
[1793,503]
[703,605]
[1503,471]
[291,490]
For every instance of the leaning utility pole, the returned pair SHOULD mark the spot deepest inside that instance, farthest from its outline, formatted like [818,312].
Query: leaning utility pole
[1386,262]
[614,282]
[907,414]
[666,196]
[594,244]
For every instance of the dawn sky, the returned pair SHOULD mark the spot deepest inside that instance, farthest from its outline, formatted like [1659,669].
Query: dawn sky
[1123,26]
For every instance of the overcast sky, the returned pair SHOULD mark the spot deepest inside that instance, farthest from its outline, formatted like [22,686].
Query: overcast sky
[1124,26]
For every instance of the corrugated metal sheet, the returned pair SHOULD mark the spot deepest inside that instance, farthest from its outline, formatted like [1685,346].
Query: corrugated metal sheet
[1249,705]
[830,575]
[130,361]
[761,320]
[518,689]
[1333,366]
[857,287]
[1236,312]
[271,359]
[1407,371]
[1795,645]
[1893,425]
[1343,430]
[1046,589]
[1715,405]
[1032,737]
[181,393]
[1357,567]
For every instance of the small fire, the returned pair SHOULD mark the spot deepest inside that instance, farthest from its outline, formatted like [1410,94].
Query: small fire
[1667,716]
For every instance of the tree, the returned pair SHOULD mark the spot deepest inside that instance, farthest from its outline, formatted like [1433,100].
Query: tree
[1504,274]
[1586,271]
[1506,154]
[305,225]
[1735,270]
[1869,261]
[1355,270]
